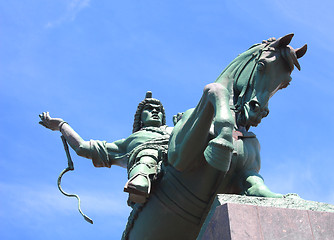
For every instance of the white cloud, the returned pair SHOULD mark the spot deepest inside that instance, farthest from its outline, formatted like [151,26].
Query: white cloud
[72,10]
[38,202]
[301,174]
[37,211]
[317,18]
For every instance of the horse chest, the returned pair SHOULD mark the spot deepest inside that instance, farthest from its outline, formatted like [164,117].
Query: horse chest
[246,153]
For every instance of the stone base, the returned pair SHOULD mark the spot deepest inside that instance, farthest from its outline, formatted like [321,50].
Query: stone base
[235,217]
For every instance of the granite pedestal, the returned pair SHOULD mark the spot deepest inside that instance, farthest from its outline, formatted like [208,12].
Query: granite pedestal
[234,217]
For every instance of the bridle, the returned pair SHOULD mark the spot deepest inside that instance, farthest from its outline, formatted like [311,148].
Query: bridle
[250,83]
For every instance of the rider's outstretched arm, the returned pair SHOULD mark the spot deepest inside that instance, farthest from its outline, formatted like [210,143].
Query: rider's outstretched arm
[80,146]
[102,153]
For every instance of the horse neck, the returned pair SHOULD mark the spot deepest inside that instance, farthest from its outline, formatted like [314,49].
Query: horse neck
[238,69]
[237,76]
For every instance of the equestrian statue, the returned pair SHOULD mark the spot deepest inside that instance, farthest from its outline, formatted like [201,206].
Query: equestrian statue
[176,172]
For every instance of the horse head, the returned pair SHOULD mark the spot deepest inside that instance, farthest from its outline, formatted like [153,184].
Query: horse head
[257,75]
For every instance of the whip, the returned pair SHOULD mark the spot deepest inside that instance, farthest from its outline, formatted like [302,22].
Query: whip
[70,168]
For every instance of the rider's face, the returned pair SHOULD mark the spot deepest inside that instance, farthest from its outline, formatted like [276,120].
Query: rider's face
[152,115]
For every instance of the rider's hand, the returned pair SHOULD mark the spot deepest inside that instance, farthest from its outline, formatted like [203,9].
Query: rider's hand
[50,123]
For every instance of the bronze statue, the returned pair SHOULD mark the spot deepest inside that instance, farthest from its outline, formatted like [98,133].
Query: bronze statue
[210,149]
[139,152]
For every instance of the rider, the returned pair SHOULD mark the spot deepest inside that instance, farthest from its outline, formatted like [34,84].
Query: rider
[139,152]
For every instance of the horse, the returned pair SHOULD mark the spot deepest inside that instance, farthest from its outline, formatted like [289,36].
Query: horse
[211,149]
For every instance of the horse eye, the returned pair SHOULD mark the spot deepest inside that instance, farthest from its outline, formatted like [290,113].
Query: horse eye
[261,66]
[254,105]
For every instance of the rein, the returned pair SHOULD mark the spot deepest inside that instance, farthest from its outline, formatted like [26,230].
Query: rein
[250,82]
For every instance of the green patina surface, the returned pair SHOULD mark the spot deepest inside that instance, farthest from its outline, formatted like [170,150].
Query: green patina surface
[210,148]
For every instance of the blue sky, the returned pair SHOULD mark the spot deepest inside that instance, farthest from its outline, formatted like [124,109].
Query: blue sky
[90,62]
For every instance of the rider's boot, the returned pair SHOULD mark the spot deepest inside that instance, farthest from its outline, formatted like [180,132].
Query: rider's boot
[139,184]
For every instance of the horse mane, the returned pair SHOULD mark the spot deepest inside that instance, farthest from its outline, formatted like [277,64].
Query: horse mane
[240,62]
[230,76]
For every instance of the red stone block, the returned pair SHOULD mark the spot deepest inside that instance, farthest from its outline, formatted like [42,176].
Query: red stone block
[281,223]
[322,224]
[233,221]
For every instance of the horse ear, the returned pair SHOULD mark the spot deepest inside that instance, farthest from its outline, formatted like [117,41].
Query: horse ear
[301,51]
[284,41]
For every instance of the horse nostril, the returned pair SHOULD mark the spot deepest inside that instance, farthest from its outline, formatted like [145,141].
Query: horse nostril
[265,112]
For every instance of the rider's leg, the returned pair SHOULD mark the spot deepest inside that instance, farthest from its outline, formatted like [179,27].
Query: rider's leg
[190,135]
[140,175]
